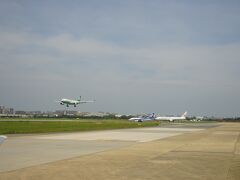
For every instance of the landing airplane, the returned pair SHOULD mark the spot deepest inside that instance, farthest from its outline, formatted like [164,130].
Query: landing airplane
[2,138]
[172,118]
[149,117]
[68,102]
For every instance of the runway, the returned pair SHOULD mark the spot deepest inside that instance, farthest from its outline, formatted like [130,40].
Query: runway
[178,151]
[28,150]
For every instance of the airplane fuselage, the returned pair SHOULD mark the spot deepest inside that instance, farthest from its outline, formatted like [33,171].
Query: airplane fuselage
[143,118]
[69,101]
[170,118]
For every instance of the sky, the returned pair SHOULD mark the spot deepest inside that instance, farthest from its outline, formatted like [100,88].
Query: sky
[131,56]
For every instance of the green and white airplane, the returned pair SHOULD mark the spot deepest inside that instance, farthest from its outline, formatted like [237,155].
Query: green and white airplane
[68,102]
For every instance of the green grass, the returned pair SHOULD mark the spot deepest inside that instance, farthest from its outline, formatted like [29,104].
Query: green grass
[41,126]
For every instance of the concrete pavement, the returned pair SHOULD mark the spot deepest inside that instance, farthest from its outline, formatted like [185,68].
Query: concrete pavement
[21,151]
[206,154]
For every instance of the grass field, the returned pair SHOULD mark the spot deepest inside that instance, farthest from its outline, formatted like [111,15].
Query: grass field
[44,126]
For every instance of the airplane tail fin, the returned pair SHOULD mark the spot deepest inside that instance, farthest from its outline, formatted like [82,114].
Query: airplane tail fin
[79,99]
[184,114]
[152,115]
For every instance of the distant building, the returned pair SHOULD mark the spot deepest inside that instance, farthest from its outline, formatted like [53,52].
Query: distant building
[71,113]
[6,110]
[118,115]
[20,112]
[34,112]
[96,114]
[60,112]
[11,111]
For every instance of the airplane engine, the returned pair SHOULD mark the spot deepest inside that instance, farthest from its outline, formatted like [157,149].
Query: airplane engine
[61,103]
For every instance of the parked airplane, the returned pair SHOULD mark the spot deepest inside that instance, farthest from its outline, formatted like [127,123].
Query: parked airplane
[68,102]
[172,118]
[2,138]
[148,117]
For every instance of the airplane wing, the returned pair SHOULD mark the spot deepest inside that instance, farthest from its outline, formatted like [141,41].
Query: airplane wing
[87,101]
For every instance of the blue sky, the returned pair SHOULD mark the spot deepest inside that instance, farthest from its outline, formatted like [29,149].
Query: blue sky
[131,56]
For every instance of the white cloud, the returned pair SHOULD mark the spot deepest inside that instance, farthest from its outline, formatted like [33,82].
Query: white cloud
[169,64]
[148,78]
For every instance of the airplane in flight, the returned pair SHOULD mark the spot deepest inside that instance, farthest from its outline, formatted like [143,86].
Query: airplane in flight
[68,102]
[149,117]
[172,118]
[2,138]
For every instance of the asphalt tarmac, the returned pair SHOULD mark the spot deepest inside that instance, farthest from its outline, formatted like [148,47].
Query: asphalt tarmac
[190,151]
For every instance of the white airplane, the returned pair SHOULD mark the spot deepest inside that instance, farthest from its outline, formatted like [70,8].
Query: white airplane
[73,102]
[172,118]
[2,138]
[149,117]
